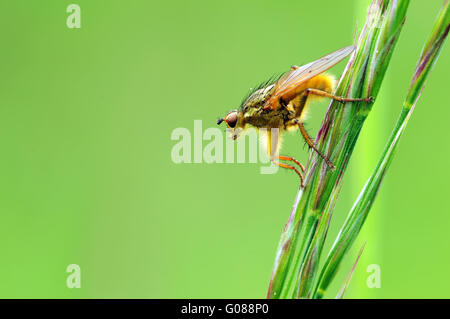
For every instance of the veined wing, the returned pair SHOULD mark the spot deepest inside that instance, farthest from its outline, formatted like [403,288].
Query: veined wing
[292,79]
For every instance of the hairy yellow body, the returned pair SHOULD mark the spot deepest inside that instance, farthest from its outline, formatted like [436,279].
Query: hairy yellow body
[300,104]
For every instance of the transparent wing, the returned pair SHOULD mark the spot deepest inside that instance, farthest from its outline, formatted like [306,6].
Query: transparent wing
[292,79]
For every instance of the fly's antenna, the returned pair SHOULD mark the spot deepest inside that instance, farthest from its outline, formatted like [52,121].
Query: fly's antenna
[219,121]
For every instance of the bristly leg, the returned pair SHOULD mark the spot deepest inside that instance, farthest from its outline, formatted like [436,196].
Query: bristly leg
[288,158]
[310,143]
[321,93]
[290,167]
[271,150]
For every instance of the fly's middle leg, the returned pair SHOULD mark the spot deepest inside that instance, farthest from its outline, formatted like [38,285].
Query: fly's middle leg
[311,144]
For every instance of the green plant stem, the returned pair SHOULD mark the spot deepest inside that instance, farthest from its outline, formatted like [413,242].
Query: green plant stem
[366,198]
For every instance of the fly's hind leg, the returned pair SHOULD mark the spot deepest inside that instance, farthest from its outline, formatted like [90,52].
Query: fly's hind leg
[337,98]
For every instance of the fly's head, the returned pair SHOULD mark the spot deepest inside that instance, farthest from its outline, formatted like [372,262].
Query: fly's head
[235,123]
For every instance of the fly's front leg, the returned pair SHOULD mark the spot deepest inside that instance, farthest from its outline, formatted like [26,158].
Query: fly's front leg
[272,151]
[288,158]
[337,98]
[290,167]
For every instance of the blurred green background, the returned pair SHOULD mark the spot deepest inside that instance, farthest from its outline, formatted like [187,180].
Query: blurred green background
[86,172]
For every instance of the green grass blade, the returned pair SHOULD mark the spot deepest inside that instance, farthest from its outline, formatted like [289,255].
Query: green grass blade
[346,283]
[364,202]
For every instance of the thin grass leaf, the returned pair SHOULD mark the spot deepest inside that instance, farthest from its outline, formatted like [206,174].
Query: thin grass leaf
[346,283]
[357,216]
[366,198]
[313,255]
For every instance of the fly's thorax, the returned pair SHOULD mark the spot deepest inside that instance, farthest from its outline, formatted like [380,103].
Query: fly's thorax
[257,99]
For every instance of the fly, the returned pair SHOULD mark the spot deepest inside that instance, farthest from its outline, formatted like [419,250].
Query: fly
[281,104]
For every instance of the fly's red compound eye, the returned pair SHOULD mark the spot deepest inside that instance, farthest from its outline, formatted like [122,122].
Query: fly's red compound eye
[231,119]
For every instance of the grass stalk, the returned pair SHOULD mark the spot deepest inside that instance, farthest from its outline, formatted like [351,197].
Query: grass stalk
[366,198]
[297,272]
[297,259]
